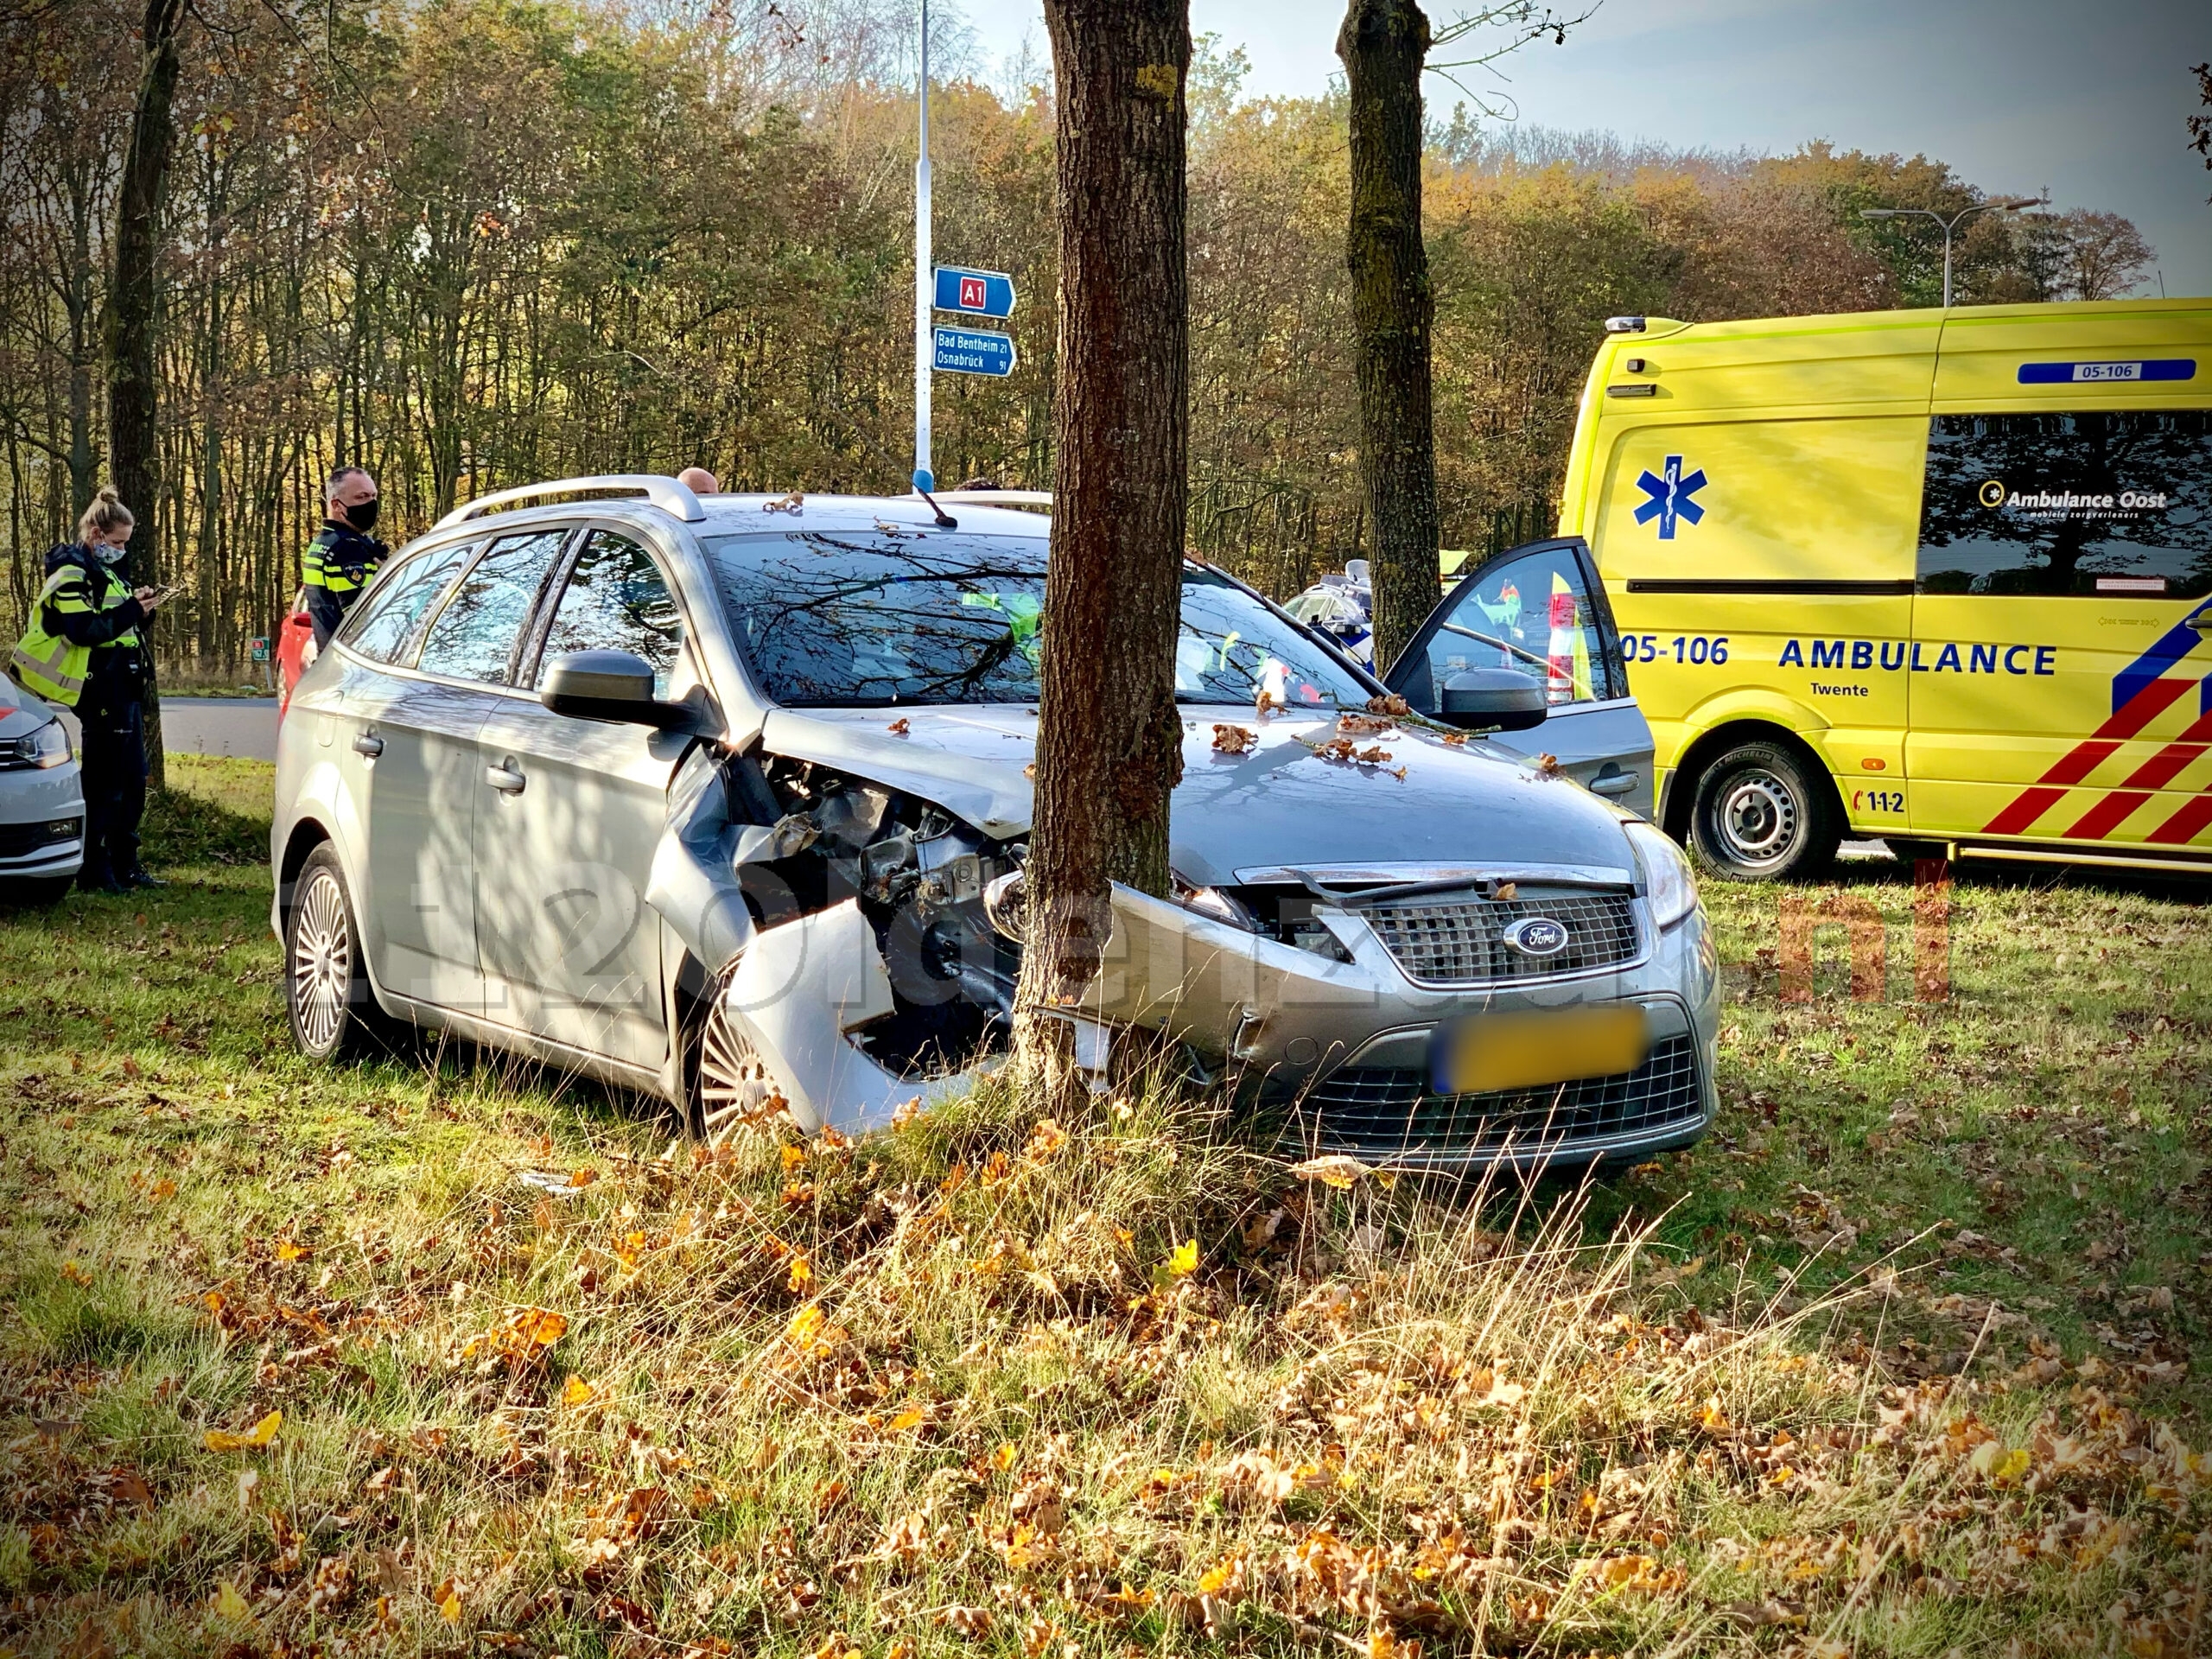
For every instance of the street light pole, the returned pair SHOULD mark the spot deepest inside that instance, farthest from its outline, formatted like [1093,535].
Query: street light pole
[923,479]
[2002,204]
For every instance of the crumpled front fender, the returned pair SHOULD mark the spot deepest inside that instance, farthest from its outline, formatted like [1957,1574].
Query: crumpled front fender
[797,990]
[693,884]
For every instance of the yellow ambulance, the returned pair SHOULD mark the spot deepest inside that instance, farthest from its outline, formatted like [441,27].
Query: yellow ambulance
[1943,577]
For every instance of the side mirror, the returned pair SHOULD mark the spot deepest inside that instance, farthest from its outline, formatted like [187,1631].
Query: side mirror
[606,685]
[1492,699]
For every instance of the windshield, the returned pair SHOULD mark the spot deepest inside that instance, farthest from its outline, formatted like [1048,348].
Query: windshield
[896,616]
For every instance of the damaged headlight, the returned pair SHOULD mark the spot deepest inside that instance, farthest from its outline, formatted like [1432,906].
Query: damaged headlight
[1668,883]
[1214,904]
[1006,901]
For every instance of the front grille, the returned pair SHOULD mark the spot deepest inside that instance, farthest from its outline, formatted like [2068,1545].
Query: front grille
[22,840]
[1380,1112]
[1460,941]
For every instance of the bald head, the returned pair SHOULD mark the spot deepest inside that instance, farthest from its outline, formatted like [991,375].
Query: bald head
[699,481]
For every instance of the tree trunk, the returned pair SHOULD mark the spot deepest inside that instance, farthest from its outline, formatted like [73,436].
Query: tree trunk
[1384,44]
[134,299]
[1109,742]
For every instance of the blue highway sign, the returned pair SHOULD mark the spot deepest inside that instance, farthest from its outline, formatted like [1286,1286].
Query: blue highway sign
[979,293]
[973,351]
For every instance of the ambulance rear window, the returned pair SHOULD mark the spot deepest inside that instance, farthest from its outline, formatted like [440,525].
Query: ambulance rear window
[2110,504]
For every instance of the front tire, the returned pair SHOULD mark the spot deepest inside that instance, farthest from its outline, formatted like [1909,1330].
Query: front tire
[334,1012]
[731,1089]
[1765,813]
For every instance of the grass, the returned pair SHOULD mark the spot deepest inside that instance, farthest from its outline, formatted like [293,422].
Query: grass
[441,1355]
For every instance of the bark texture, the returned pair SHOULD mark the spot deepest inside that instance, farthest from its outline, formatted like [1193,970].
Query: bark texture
[134,305]
[1109,739]
[1384,45]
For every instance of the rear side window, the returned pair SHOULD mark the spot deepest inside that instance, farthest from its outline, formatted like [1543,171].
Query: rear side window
[617,599]
[387,624]
[1534,615]
[2113,504]
[476,632]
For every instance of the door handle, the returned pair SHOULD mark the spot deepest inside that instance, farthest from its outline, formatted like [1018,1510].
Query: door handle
[1613,783]
[2202,622]
[368,743]
[504,778]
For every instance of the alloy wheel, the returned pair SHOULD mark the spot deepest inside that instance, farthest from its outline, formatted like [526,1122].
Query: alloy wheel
[323,962]
[735,1091]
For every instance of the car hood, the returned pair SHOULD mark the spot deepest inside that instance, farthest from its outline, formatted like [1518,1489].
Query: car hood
[21,714]
[1280,804]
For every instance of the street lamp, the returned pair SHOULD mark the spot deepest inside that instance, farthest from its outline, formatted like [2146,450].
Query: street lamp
[2002,204]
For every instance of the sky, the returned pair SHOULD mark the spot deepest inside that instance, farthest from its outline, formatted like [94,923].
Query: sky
[2089,98]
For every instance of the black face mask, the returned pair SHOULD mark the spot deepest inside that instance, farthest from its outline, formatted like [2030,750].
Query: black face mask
[362,515]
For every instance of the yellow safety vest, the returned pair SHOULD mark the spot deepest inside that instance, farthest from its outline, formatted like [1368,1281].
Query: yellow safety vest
[46,663]
[320,569]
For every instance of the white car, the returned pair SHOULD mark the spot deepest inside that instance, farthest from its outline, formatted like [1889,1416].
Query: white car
[41,801]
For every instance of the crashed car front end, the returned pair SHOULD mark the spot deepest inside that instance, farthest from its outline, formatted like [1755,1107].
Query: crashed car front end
[870,883]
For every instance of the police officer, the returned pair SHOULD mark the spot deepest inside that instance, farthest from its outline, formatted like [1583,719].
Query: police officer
[343,556]
[82,650]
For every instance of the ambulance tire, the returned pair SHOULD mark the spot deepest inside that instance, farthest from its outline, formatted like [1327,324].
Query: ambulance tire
[1764,812]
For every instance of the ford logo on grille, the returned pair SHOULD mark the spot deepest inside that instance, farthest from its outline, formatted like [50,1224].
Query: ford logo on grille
[1537,935]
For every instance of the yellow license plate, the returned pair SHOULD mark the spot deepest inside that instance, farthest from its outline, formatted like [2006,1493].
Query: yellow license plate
[1487,1052]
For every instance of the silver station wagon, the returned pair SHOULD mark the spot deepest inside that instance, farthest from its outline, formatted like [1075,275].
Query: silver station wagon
[728,799]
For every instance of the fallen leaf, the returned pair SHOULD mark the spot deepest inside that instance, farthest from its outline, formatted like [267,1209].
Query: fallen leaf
[287,1251]
[1234,740]
[1335,1169]
[230,1604]
[259,1435]
[1183,1260]
[899,727]
[973,1622]
[577,1392]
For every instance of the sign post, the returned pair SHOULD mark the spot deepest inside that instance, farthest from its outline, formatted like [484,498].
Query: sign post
[924,345]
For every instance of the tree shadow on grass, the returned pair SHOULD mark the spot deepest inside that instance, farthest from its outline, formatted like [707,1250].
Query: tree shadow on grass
[186,827]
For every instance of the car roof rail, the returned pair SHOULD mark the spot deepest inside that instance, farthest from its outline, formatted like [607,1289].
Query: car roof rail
[670,497]
[992,497]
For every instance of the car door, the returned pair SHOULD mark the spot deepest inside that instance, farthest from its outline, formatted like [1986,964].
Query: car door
[1540,611]
[567,943]
[380,726]
[428,784]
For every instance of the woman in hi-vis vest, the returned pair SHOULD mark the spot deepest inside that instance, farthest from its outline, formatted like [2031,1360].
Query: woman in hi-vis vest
[82,650]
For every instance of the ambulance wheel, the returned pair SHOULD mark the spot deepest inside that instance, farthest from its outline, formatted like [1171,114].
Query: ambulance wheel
[1765,813]
[334,1014]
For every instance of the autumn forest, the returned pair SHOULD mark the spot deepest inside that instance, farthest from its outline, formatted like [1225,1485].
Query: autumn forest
[469,243]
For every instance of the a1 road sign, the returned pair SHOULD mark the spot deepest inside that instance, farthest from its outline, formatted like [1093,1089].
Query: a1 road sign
[973,351]
[979,293]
